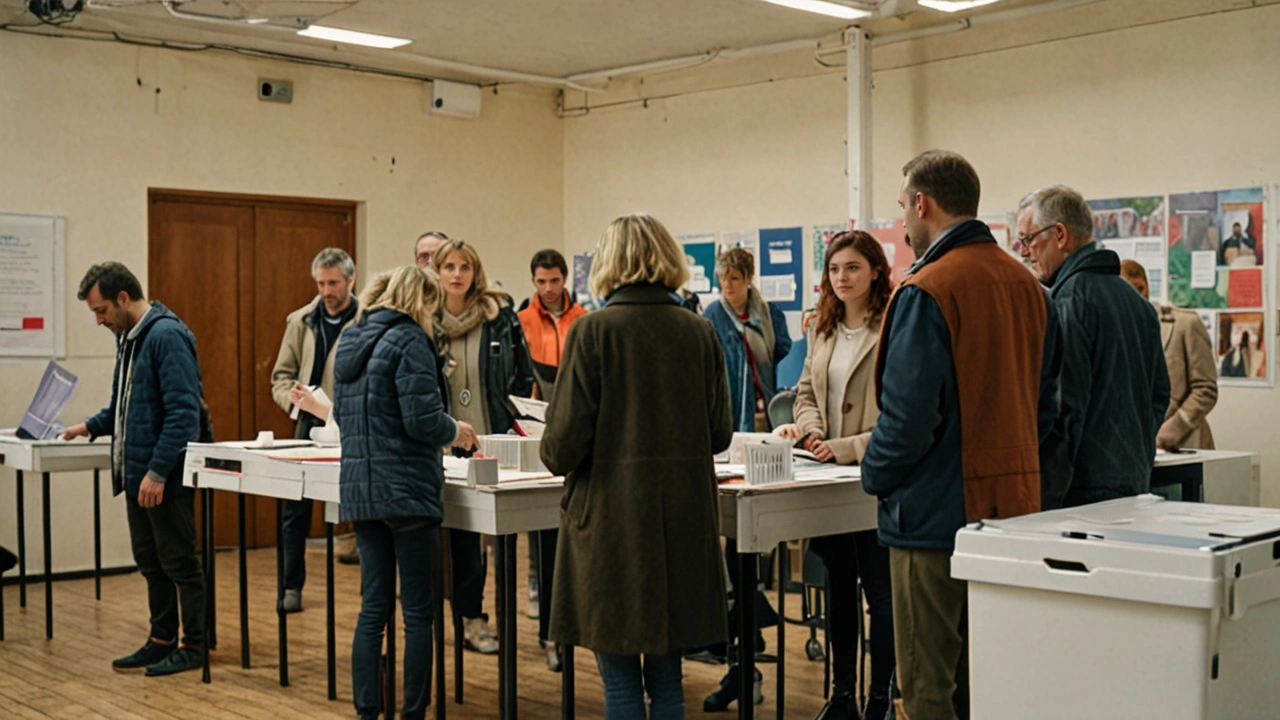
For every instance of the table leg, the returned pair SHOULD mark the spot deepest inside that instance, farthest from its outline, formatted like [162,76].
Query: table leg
[566,683]
[210,583]
[745,599]
[784,574]
[457,657]
[22,542]
[504,557]
[48,558]
[282,619]
[331,643]
[244,587]
[97,537]
[437,601]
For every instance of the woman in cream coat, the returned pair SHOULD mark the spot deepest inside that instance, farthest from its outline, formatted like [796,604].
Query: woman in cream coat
[835,409]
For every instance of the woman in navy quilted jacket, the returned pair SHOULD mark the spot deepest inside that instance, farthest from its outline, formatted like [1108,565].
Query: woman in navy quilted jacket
[394,425]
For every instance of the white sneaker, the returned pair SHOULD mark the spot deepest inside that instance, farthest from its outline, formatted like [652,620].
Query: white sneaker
[534,605]
[555,660]
[478,637]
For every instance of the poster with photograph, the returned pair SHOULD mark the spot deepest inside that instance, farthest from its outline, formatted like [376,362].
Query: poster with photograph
[892,235]
[1241,347]
[1134,229]
[700,254]
[822,235]
[1222,229]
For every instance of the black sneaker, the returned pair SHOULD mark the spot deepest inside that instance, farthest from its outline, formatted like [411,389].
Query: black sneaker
[149,654]
[180,660]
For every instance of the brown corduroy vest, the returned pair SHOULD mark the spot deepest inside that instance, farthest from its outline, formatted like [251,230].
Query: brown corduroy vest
[995,311]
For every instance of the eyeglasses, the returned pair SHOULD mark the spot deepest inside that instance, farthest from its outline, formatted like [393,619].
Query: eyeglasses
[1025,240]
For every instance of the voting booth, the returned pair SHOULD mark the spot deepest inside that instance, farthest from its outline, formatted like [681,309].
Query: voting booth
[1132,608]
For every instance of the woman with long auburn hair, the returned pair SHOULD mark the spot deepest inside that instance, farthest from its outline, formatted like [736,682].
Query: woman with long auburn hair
[835,409]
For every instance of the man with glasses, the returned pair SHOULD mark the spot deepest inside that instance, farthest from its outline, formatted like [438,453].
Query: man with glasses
[1115,385]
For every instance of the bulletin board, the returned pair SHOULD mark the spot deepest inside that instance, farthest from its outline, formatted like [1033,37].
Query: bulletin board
[33,286]
[1206,251]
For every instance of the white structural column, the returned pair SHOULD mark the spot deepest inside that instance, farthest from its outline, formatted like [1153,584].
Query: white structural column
[858,137]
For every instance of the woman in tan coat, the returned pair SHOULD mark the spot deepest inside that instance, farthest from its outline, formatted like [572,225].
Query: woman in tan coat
[1193,370]
[641,404]
[835,409]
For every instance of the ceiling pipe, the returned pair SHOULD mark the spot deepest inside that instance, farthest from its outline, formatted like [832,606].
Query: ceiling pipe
[977,20]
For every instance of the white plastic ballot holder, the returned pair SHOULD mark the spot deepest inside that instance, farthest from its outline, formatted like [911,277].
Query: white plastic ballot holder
[1131,608]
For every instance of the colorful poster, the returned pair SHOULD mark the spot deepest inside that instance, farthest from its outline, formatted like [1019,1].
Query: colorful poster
[782,267]
[1224,227]
[581,275]
[1134,228]
[822,235]
[1241,350]
[1244,289]
[700,254]
[892,235]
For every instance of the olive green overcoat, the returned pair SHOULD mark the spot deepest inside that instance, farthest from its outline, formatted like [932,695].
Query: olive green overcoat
[641,404]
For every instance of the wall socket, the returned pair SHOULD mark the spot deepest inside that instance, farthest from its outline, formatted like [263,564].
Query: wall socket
[275,90]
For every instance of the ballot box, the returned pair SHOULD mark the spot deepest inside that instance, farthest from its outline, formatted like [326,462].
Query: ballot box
[1131,608]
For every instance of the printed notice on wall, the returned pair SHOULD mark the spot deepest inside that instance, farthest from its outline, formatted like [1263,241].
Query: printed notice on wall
[32,305]
[1204,269]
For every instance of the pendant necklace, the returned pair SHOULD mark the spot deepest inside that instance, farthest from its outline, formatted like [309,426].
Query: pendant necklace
[464,397]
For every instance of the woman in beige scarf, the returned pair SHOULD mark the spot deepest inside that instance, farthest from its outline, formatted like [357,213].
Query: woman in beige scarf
[485,359]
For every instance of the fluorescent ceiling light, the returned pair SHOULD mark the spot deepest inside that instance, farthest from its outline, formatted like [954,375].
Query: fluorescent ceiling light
[954,5]
[836,10]
[320,32]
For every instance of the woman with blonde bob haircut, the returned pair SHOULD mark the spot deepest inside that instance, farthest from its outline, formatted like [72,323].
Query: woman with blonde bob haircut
[636,249]
[638,573]
[389,404]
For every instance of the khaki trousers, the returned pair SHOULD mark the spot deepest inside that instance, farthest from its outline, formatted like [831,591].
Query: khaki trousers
[930,631]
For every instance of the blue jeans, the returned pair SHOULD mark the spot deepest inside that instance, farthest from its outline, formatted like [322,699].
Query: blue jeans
[628,677]
[413,544]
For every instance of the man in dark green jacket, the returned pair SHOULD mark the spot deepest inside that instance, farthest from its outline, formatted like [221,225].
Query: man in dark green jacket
[1115,385]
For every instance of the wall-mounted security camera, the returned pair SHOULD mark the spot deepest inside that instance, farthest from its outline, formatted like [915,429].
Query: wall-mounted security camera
[275,90]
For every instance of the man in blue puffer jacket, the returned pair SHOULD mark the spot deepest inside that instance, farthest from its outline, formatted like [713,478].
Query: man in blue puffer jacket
[154,413]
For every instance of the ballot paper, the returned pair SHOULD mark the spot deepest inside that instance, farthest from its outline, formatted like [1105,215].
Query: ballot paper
[320,397]
[536,409]
[52,396]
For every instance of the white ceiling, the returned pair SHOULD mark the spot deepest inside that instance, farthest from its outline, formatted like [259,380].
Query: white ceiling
[546,38]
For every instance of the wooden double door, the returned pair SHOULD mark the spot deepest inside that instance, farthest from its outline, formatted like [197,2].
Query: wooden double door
[233,267]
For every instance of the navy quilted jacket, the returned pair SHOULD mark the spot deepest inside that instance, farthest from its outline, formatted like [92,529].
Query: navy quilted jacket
[387,403]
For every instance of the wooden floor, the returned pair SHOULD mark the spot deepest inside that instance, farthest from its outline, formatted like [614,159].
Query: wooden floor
[71,676]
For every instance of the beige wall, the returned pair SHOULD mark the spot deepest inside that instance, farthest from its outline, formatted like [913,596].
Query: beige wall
[1098,97]
[88,127]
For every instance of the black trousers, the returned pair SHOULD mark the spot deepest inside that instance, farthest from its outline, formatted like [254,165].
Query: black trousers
[297,526]
[848,557]
[164,547]
[542,551]
[469,569]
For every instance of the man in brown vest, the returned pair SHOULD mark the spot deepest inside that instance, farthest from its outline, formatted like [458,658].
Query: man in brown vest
[966,380]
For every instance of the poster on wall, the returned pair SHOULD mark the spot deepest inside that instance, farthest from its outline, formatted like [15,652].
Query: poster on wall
[782,267]
[892,235]
[1134,229]
[821,238]
[32,282]
[748,240]
[700,254]
[581,276]
[1216,262]
[1240,345]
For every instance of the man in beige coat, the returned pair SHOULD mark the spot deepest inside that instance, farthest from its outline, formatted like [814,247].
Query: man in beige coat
[305,361]
[1193,374]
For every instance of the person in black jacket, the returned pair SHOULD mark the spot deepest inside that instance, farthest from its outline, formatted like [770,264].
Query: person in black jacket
[1115,384]
[394,425]
[485,360]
